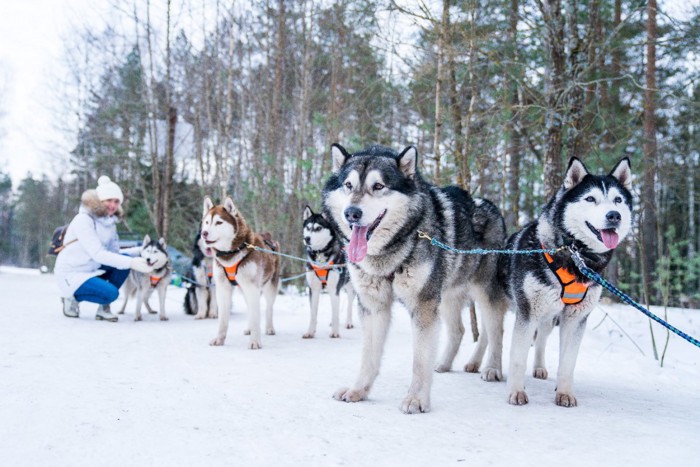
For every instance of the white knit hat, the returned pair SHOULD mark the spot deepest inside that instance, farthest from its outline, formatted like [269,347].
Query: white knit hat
[107,189]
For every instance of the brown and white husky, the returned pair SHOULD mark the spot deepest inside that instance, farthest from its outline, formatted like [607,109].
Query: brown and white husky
[237,264]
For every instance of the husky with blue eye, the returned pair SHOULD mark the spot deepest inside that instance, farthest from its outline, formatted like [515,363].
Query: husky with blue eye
[377,199]
[143,285]
[323,246]
[591,214]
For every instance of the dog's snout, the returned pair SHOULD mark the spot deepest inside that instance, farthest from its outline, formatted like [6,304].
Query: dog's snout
[613,217]
[353,214]
[307,240]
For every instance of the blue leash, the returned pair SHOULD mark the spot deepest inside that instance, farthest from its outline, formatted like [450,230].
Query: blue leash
[585,270]
[595,277]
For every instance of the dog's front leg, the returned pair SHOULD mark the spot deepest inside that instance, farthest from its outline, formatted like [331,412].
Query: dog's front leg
[161,296]
[139,301]
[335,312]
[314,297]
[224,290]
[203,298]
[375,325]
[425,333]
[251,295]
[523,332]
[351,298]
[571,331]
[539,369]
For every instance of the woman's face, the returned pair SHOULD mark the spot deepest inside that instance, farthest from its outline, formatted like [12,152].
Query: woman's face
[111,205]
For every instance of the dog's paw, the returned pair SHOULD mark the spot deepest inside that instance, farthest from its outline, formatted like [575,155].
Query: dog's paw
[335,335]
[565,400]
[349,326]
[217,341]
[254,345]
[198,316]
[138,318]
[246,332]
[518,398]
[308,335]
[214,316]
[471,367]
[443,368]
[164,318]
[120,312]
[540,373]
[350,395]
[270,332]
[414,404]
[152,312]
[491,375]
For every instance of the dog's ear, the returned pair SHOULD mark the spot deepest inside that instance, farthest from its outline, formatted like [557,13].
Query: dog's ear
[623,173]
[408,161]
[575,173]
[339,156]
[207,205]
[161,242]
[146,240]
[308,212]
[229,206]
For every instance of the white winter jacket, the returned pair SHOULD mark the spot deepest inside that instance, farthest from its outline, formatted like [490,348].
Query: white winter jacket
[97,244]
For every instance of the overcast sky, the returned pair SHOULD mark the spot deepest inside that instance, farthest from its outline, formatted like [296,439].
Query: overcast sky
[31,51]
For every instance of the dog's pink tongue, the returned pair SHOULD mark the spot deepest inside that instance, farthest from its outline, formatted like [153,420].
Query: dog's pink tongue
[610,239]
[357,249]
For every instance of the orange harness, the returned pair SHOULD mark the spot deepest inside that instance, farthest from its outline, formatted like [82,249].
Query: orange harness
[572,292]
[210,274]
[155,280]
[231,272]
[321,273]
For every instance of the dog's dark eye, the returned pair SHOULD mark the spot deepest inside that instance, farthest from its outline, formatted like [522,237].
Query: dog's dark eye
[590,199]
[348,185]
[219,222]
[377,186]
[617,200]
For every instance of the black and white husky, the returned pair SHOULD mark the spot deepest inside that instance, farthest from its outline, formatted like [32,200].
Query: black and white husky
[143,285]
[323,245]
[200,299]
[379,201]
[592,214]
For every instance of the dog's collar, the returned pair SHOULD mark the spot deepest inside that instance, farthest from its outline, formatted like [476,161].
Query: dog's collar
[572,291]
[243,246]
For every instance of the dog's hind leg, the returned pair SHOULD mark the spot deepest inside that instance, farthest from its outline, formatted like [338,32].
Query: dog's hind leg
[202,299]
[425,334]
[375,325]
[492,314]
[539,369]
[451,314]
[335,312]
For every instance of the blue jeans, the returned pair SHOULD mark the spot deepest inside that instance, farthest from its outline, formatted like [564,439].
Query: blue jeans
[103,289]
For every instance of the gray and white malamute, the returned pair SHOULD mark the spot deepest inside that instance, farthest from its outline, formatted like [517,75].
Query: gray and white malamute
[379,201]
[323,245]
[592,214]
[200,299]
[143,285]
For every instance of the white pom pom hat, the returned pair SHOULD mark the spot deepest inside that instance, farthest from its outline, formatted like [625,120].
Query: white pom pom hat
[107,189]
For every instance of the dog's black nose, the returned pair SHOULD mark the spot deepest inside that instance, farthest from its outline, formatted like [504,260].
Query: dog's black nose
[613,217]
[307,240]
[353,214]
[205,234]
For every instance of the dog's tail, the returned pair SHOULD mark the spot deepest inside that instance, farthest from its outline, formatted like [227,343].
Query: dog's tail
[489,224]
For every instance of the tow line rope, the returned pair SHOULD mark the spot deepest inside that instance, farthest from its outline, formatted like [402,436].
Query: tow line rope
[581,265]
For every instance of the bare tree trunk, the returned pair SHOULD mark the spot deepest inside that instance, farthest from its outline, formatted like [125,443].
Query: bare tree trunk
[438,88]
[649,223]
[466,172]
[554,87]
[513,145]
[171,115]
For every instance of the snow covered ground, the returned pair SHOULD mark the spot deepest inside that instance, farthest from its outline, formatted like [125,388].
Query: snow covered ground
[78,392]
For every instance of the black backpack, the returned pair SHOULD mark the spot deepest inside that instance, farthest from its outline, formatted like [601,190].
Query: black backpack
[57,245]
